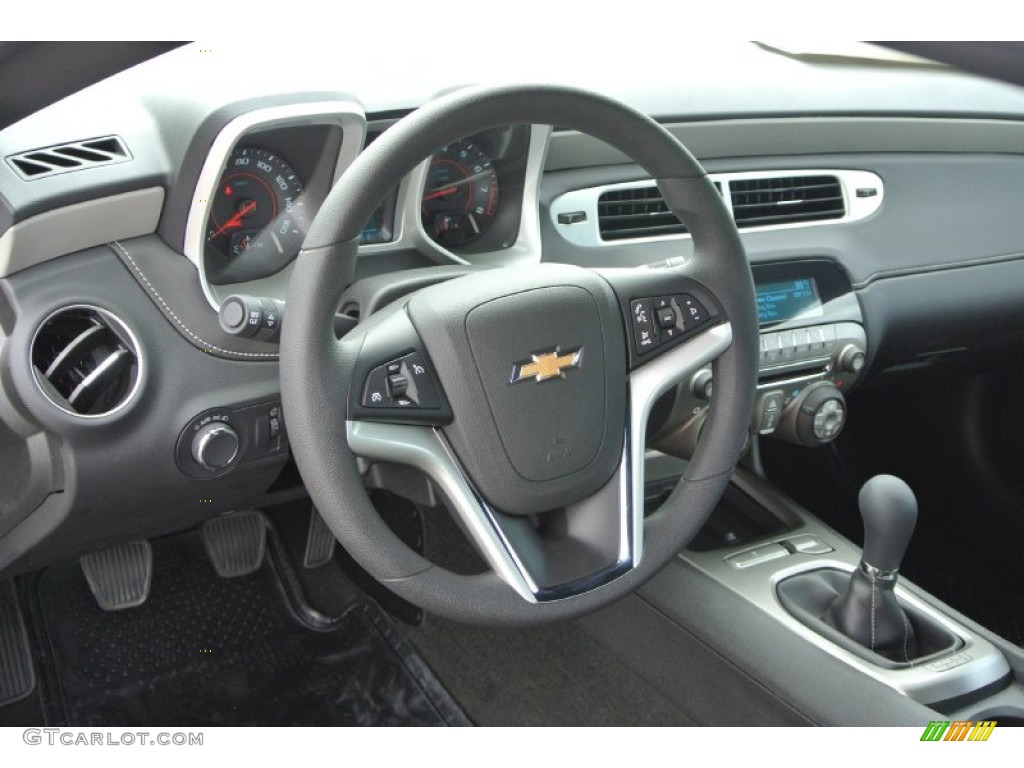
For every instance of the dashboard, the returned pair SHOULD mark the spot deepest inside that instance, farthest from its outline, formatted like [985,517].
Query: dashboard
[881,228]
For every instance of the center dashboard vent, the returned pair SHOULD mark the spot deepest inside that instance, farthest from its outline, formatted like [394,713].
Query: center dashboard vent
[623,214]
[86,361]
[783,200]
[73,156]
[626,213]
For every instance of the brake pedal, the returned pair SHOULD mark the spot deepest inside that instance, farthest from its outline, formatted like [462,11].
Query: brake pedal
[319,541]
[119,577]
[17,675]
[236,543]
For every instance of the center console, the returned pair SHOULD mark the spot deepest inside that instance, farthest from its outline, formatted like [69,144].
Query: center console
[748,611]
[793,573]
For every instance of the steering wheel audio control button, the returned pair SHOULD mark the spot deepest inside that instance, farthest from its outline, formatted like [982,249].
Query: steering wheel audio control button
[666,317]
[645,336]
[693,311]
[397,384]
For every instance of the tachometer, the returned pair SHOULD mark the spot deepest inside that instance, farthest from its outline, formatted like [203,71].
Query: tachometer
[258,210]
[460,199]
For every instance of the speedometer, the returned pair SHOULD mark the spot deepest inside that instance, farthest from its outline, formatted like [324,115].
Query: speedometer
[460,199]
[258,211]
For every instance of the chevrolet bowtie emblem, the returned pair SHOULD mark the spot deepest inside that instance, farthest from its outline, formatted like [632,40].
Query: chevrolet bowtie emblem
[547,365]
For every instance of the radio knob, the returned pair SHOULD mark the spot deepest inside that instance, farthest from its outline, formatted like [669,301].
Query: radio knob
[852,359]
[215,446]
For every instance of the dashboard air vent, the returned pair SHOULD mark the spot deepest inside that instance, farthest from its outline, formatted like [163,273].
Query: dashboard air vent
[73,156]
[86,361]
[784,200]
[635,212]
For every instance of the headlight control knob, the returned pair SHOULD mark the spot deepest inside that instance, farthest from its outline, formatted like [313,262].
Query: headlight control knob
[821,415]
[215,446]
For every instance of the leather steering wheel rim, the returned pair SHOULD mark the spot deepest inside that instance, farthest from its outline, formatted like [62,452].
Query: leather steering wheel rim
[317,370]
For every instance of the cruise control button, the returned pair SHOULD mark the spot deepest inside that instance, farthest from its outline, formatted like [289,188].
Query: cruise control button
[420,385]
[375,394]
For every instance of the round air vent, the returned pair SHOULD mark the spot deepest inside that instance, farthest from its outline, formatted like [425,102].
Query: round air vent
[86,361]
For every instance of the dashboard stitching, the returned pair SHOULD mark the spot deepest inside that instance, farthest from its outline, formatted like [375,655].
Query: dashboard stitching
[169,311]
[940,267]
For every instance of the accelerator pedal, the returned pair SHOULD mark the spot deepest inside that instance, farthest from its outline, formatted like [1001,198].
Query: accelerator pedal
[119,577]
[236,543]
[319,541]
[17,675]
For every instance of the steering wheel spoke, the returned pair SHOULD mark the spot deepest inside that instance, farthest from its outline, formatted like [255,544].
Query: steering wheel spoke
[561,553]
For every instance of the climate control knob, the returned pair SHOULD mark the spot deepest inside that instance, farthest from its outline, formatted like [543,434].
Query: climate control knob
[215,446]
[821,415]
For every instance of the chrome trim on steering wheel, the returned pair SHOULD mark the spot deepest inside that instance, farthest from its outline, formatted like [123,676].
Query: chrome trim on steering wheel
[427,449]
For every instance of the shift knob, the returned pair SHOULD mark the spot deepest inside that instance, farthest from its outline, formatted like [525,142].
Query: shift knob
[889,510]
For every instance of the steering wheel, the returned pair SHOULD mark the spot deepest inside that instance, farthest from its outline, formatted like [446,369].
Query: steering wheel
[523,393]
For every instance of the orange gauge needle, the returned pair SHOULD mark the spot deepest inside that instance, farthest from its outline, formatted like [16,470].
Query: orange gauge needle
[444,192]
[236,220]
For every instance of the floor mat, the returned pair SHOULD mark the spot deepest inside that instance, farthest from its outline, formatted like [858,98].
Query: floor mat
[210,651]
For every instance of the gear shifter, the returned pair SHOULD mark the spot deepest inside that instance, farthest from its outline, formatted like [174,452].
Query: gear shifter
[868,612]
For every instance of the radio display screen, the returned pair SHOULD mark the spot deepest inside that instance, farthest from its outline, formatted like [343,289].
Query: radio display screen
[785,300]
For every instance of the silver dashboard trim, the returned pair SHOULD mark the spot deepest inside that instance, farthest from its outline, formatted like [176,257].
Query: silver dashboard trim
[410,234]
[587,234]
[427,449]
[346,114]
[82,225]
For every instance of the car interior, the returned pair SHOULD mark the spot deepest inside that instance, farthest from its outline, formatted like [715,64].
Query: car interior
[688,397]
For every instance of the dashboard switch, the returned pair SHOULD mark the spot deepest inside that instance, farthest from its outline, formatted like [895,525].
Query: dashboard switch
[769,411]
[573,217]
[752,557]
[251,317]
[215,446]
[806,544]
